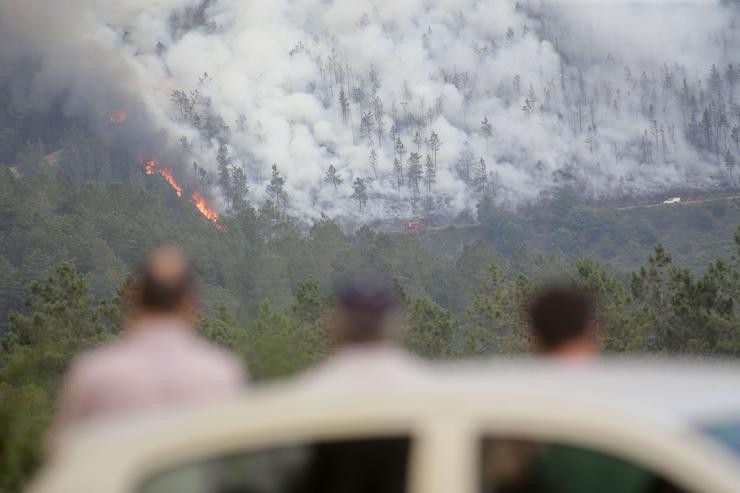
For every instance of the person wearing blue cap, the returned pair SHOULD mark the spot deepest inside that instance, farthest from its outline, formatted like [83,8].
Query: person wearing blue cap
[365,333]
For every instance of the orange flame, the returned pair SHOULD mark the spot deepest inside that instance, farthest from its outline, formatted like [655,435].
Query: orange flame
[119,117]
[167,174]
[151,167]
[204,208]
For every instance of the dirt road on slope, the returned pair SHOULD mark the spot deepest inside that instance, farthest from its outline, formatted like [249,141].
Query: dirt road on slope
[683,202]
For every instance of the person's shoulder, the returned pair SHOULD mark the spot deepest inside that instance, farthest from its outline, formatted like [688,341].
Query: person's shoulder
[220,360]
[95,364]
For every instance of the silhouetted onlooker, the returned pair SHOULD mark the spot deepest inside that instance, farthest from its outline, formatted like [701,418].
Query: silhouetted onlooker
[563,321]
[365,333]
[159,362]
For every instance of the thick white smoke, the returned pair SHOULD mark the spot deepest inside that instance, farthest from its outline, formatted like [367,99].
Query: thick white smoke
[276,67]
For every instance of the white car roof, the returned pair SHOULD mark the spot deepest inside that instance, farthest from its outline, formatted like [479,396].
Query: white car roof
[686,390]
[685,393]
[606,404]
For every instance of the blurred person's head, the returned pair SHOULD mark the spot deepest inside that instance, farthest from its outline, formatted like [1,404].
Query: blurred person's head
[166,286]
[365,311]
[563,321]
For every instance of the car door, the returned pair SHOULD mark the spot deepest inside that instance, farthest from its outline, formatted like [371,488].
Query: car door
[270,445]
[572,459]
[359,464]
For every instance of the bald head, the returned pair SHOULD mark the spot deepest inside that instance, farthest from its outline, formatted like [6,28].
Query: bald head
[166,282]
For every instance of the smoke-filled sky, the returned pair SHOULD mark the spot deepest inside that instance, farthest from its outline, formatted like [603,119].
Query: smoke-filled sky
[438,66]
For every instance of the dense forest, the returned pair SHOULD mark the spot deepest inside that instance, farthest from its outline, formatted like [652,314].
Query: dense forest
[78,216]
[284,152]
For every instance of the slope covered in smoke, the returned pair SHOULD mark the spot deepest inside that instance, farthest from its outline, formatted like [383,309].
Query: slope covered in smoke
[384,109]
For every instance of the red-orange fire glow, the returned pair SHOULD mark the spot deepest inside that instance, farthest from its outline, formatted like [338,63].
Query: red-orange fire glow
[204,208]
[167,174]
[119,116]
[150,168]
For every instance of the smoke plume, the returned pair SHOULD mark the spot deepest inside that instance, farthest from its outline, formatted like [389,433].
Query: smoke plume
[589,94]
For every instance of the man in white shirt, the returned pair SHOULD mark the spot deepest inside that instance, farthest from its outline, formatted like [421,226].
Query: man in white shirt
[159,363]
[365,332]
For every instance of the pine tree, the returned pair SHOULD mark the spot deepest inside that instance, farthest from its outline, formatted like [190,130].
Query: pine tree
[664,144]
[360,192]
[378,114]
[241,124]
[430,173]
[434,145]
[651,112]
[414,173]
[509,34]
[239,186]
[332,176]
[276,189]
[222,158]
[481,176]
[464,162]
[374,78]
[344,105]
[706,125]
[589,140]
[485,128]
[374,162]
[417,140]
[395,131]
[715,82]
[731,75]
[517,82]
[398,171]
[528,107]
[730,161]
[399,149]
[367,126]
[735,136]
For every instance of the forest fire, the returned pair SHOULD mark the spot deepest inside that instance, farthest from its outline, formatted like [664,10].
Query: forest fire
[119,117]
[205,209]
[167,174]
[151,167]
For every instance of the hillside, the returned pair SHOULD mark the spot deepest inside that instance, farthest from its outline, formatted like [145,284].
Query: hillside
[284,144]
[77,216]
[374,114]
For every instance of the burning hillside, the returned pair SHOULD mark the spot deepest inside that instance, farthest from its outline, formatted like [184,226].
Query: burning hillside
[207,211]
[152,167]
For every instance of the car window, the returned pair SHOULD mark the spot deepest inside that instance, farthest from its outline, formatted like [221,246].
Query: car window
[514,466]
[727,433]
[377,465]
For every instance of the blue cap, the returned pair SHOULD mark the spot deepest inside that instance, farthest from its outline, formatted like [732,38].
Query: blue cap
[367,291]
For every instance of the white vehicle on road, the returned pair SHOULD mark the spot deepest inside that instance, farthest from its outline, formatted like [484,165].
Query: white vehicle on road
[675,426]
[672,201]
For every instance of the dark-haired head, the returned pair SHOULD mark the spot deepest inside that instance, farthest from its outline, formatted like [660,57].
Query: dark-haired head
[166,284]
[563,318]
[365,309]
